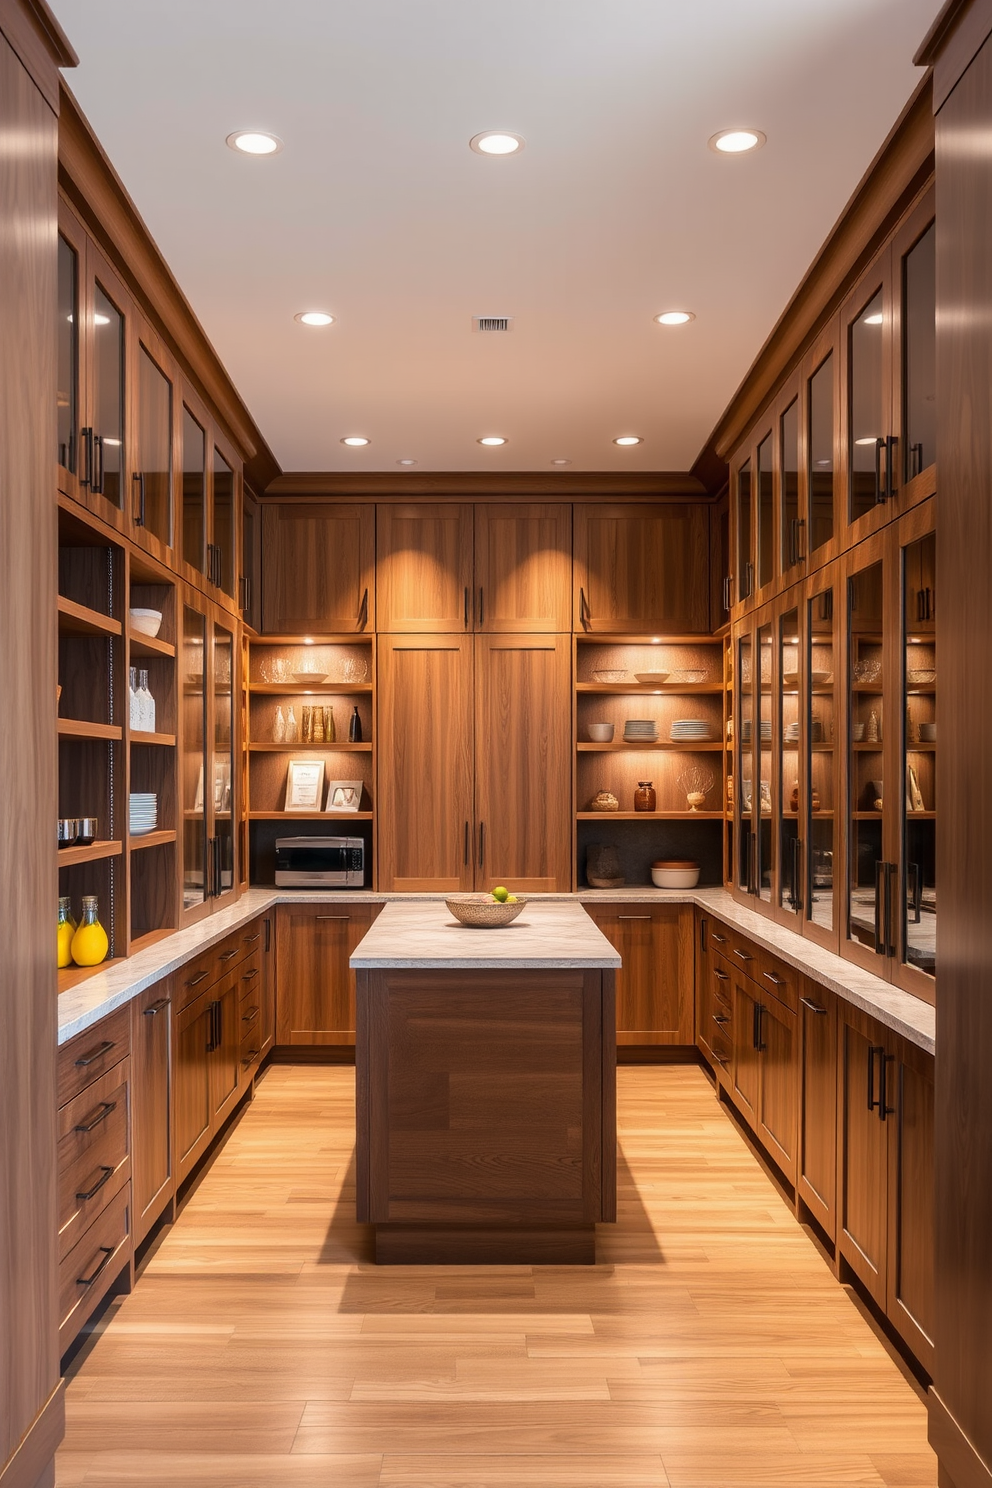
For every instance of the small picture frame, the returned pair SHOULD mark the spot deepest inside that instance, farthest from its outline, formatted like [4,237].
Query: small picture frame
[304,785]
[343,795]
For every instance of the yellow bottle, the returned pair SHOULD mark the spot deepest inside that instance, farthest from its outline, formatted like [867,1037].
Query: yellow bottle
[90,944]
[67,929]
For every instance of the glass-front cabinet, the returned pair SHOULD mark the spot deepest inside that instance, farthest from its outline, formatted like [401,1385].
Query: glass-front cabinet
[753,784]
[211,501]
[209,755]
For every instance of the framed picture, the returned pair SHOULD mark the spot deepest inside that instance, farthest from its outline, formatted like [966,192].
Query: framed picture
[344,795]
[304,785]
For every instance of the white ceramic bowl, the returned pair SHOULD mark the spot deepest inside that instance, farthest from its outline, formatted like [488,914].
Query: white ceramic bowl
[146,622]
[601,733]
[675,876]
[652,679]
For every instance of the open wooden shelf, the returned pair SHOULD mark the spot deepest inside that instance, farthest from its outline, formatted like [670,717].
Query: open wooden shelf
[91,853]
[921,748]
[81,620]
[139,736]
[304,689]
[151,839]
[661,744]
[321,748]
[145,645]
[329,816]
[648,689]
[647,816]
[77,728]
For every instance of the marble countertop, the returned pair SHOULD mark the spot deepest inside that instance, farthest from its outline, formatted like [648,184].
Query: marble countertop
[120,981]
[549,933]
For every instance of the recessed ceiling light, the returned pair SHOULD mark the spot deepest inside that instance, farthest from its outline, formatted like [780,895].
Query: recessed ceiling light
[314,317]
[355,440]
[496,142]
[626,439]
[737,141]
[675,317]
[561,462]
[491,439]
[875,319]
[254,142]
[406,462]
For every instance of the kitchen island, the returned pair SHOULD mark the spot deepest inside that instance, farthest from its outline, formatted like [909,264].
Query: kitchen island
[485,1086]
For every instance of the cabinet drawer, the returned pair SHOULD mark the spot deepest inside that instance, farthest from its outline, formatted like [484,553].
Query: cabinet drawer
[89,1055]
[774,977]
[90,1268]
[249,977]
[200,973]
[93,1152]
[720,938]
[722,982]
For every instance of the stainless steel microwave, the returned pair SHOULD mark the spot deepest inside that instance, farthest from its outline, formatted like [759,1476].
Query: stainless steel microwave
[320,862]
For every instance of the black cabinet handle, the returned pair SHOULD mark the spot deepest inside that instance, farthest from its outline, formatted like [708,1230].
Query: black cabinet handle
[748,579]
[363,611]
[744,955]
[814,1007]
[138,517]
[250,1017]
[230,955]
[195,981]
[250,976]
[879,487]
[251,939]
[702,936]
[85,1060]
[466,845]
[105,1173]
[914,877]
[101,1114]
[158,1007]
[776,981]
[721,975]
[890,465]
[482,843]
[892,885]
[873,1049]
[86,437]
[756,1025]
[482,606]
[884,1109]
[728,592]
[466,607]
[332,917]
[720,939]
[214,1009]
[585,614]
[720,1018]
[268,934]
[881,879]
[97,485]
[106,1251]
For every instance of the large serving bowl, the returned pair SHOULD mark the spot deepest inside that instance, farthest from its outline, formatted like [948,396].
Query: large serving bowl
[672,873]
[482,911]
[146,622]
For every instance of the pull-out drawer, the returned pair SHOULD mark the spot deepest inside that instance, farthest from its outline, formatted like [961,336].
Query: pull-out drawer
[89,1055]
[88,1271]
[93,1153]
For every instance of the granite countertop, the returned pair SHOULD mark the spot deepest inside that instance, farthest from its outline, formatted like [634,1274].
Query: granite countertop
[549,933]
[101,993]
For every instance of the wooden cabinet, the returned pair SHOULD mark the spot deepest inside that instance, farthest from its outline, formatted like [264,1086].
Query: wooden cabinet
[886,1174]
[318,567]
[425,811]
[211,509]
[641,569]
[523,567]
[208,1074]
[267,991]
[424,568]
[817,1179]
[153,1171]
[522,757]
[654,985]
[209,666]
[316,995]
[765,1070]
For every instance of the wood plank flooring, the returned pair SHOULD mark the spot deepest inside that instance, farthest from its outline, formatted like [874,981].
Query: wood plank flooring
[710,1348]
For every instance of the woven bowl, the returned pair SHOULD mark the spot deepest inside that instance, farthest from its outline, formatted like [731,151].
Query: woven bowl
[482,912]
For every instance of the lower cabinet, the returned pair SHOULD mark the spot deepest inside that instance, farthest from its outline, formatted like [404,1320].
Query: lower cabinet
[208,1068]
[267,958]
[315,1003]
[654,985]
[765,1070]
[885,1174]
[153,1177]
[817,1184]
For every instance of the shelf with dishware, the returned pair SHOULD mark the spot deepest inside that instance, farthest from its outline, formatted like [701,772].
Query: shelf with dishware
[89,852]
[627,746]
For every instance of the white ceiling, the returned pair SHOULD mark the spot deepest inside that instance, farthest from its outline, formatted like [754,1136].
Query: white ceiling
[378,211]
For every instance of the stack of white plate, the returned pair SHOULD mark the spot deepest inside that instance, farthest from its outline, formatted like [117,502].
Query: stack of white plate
[766,731]
[142,812]
[690,730]
[640,731]
[792,733]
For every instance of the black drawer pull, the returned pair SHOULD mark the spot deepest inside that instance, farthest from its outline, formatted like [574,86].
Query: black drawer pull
[250,976]
[95,1054]
[744,955]
[721,974]
[250,939]
[719,1018]
[250,1017]
[814,1007]
[776,981]
[158,1007]
[195,981]
[107,1251]
[104,1175]
[332,917]
[633,917]
[228,955]
[101,1115]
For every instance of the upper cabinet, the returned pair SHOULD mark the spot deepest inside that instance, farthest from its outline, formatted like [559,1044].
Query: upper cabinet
[318,572]
[211,504]
[641,568]
[448,567]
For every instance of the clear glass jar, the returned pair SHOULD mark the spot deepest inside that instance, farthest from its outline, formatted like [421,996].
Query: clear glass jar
[645,796]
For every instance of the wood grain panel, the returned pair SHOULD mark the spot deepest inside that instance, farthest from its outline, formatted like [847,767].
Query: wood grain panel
[316,989]
[641,568]
[746,1071]
[93,1153]
[425,796]
[523,753]
[193,1110]
[778,1106]
[523,566]
[153,1179]
[654,985]
[83,1059]
[318,568]
[910,1273]
[92,1266]
[424,568]
[863,1163]
[817,1183]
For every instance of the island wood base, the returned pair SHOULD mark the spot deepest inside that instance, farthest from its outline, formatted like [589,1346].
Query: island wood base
[486,1114]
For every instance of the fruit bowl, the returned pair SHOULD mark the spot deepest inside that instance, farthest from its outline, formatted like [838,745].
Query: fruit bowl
[482,911]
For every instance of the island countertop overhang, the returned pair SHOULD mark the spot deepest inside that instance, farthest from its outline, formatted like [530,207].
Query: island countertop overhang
[552,935]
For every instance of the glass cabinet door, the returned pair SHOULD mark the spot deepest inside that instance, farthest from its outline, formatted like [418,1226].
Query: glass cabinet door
[765,865]
[868,886]
[820,453]
[821,743]
[68,356]
[869,442]
[918,928]
[745,566]
[225,527]
[153,477]
[106,474]
[919,352]
[194,493]
[194,734]
[766,512]
[788,731]
[790,532]
[222,776]
[744,755]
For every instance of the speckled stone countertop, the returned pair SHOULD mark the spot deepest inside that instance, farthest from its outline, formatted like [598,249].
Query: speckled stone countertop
[549,934]
[100,994]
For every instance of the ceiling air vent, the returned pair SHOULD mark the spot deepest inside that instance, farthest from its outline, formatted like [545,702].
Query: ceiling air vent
[492,322]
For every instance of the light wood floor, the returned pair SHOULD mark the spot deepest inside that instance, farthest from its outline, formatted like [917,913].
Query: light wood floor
[710,1347]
